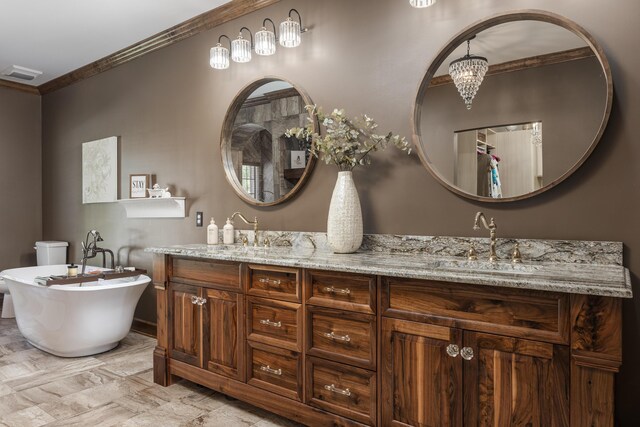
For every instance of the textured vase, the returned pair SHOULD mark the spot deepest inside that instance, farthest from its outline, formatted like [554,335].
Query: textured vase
[344,225]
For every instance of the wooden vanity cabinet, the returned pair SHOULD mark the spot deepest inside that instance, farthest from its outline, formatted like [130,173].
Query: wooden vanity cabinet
[339,349]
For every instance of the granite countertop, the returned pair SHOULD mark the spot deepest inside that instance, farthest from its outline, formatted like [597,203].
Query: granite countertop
[588,275]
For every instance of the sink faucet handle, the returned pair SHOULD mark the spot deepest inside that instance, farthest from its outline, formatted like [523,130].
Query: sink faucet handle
[516,256]
[245,239]
[472,255]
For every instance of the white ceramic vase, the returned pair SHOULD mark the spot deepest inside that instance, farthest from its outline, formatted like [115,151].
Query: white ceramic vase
[344,225]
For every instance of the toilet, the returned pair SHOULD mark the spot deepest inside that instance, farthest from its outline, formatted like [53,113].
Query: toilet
[48,252]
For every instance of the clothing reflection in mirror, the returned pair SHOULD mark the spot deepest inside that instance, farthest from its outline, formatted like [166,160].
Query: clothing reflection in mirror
[499,161]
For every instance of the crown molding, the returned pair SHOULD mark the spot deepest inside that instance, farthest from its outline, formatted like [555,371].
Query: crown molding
[19,86]
[203,22]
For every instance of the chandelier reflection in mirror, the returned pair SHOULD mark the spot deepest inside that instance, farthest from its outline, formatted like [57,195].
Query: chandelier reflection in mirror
[264,42]
[422,3]
[467,73]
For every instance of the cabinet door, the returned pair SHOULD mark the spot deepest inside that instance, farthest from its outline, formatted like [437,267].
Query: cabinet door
[224,333]
[421,383]
[515,382]
[186,322]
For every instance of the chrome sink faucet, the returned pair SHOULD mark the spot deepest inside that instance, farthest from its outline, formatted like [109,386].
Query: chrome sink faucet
[493,257]
[90,249]
[254,223]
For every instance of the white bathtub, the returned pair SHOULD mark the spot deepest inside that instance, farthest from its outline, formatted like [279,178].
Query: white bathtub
[73,320]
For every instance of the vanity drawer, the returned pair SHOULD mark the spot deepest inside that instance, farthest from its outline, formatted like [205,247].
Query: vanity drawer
[519,313]
[341,389]
[274,369]
[276,323]
[341,290]
[342,336]
[274,282]
[219,274]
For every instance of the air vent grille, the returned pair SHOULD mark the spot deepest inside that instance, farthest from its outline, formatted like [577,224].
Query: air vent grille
[21,73]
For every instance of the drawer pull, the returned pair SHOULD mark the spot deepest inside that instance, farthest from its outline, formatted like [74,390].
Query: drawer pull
[268,369]
[267,322]
[332,290]
[268,281]
[333,389]
[333,336]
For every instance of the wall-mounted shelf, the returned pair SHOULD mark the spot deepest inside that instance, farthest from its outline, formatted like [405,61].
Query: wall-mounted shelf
[169,207]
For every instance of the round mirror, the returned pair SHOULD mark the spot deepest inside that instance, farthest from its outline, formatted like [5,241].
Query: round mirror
[512,106]
[264,166]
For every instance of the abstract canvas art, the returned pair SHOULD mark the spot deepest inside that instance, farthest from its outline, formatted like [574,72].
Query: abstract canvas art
[100,170]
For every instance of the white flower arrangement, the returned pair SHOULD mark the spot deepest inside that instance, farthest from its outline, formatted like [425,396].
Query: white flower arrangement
[347,143]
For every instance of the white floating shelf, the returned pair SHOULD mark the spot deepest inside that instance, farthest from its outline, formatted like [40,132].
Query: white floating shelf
[162,207]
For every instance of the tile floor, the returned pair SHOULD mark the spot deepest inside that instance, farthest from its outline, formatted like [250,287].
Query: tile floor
[109,389]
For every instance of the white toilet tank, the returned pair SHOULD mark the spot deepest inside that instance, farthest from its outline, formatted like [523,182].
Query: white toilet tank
[51,252]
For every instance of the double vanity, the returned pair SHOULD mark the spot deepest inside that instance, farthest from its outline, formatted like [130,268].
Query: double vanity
[405,332]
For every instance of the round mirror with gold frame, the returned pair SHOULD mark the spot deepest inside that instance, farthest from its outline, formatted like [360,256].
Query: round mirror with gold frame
[512,106]
[262,165]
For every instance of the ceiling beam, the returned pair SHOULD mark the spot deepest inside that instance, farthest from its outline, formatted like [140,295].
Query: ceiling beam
[203,22]
[524,63]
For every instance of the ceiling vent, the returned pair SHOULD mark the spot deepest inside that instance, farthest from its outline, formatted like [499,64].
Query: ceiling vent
[22,73]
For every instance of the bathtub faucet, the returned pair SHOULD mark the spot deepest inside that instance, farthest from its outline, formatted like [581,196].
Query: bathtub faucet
[90,249]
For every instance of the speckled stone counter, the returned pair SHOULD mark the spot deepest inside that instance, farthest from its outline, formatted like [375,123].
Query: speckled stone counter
[578,267]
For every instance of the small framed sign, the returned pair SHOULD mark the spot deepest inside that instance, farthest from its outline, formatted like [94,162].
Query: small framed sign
[138,184]
[298,160]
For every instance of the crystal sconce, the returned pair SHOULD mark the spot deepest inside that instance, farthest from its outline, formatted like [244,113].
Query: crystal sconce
[264,42]
[422,3]
[241,47]
[219,55]
[467,74]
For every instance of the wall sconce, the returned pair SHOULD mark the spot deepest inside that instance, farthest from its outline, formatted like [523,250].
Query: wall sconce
[266,40]
[241,47]
[290,31]
[422,3]
[219,55]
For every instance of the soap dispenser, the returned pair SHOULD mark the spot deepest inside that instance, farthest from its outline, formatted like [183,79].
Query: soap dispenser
[212,233]
[227,233]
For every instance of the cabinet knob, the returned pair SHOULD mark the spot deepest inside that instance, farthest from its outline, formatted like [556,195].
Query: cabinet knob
[332,388]
[194,299]
[202,301]
[453,350]
[332,290]
[267,322]
[268,369]
[332,335]
[466,353]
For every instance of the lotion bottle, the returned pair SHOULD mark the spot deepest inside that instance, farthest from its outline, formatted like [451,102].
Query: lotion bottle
[212,233]
[227,233]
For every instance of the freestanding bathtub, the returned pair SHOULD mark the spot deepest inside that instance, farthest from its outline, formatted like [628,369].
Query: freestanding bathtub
[73,320]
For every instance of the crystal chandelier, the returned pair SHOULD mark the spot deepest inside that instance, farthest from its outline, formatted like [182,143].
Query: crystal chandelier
[422,3]
[467,74]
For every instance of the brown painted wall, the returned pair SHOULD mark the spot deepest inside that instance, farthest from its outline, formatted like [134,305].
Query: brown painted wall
[168,108]
[20,177]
